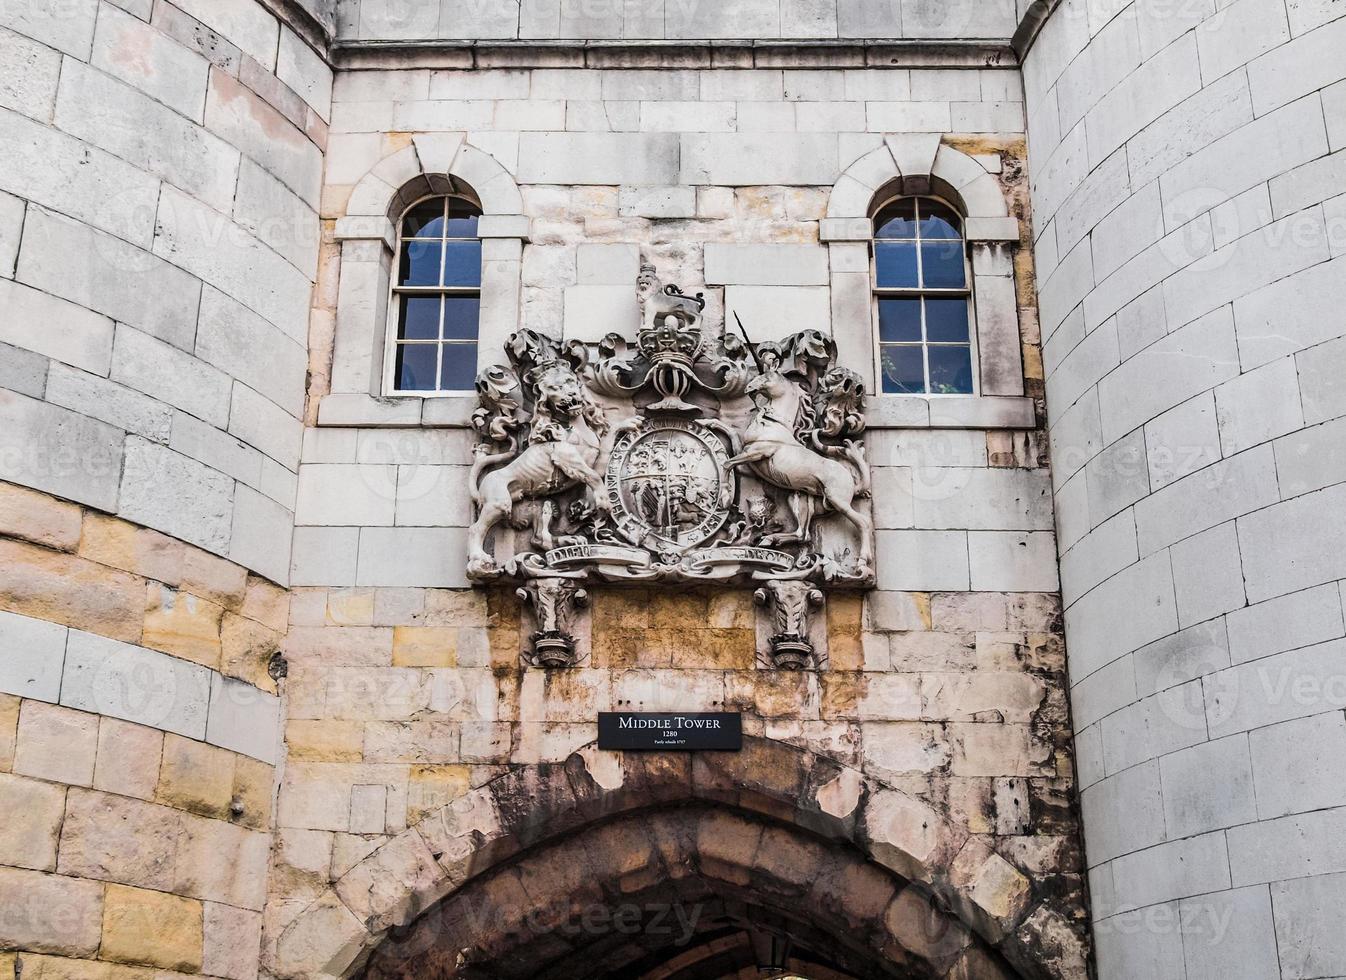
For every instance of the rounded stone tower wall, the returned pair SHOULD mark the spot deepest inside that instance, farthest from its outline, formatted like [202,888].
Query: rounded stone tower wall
[1187,179]
[160,168]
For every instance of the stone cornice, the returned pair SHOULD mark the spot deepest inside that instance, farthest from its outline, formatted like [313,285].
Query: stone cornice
[889,53]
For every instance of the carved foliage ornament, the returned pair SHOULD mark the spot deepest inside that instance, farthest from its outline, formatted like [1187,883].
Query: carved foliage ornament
[695,456]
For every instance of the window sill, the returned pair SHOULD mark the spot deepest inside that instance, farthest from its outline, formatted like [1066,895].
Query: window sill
[882,411]
[950,412]
[355,411]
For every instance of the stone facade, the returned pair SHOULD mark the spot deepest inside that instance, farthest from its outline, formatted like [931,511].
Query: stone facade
[409,692]
[255,720]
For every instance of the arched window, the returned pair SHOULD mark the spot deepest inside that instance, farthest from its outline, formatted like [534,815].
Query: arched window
[924,296]
[436,300]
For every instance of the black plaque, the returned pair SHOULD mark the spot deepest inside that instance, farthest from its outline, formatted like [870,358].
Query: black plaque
[671,731]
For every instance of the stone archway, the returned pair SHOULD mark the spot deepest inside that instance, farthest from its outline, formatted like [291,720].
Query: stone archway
[813,835]
[693,892]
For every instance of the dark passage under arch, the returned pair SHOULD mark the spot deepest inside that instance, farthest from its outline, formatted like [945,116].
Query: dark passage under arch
[691,892]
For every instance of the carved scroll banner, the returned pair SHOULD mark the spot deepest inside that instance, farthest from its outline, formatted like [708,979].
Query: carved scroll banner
[692,457]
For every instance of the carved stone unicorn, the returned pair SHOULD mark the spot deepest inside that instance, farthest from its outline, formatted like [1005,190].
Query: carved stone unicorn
[784,441]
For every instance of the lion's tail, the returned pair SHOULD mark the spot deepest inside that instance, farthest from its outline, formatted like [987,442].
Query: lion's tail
[481,464]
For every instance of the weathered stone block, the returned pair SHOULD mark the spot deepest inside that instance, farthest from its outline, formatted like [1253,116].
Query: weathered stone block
[232,942]
[177,495]
[598,158]
[267,358]
[196,777]
[182,624]
[128,759]
[243,719]
[766,265]
[39,518]
[34,653]
[50,914]
[325,740]
[425,646]
[56,743]
[135,684]
[127,48]
[151,928]
[58,171]
[28,836]
[85,456]
[246,649]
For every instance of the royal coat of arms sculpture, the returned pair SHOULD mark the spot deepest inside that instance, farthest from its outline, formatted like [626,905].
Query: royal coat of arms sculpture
[694,457]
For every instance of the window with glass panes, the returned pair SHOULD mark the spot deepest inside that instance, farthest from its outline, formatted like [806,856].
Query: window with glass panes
[437,297]
[924,299]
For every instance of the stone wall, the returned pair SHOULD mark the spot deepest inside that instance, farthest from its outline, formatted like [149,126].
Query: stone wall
[407,696]
[1187,176]
[170,195]
[139,731]
[161,172]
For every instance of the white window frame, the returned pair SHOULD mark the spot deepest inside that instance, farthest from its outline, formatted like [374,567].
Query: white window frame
[393,319]
[969,292]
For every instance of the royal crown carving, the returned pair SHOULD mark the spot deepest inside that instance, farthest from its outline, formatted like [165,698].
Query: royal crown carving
[692,456]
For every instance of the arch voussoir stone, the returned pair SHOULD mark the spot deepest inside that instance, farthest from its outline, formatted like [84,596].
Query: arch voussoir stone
[915,156]
[766,823]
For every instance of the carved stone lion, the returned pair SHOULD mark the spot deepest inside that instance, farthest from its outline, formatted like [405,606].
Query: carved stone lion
[562,451]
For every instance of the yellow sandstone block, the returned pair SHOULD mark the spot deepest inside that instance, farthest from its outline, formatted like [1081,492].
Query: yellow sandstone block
[9,731]
[432,787]
[197,777]
[425,646]
[68,590]
[325,740]
[253,781]
[182,624]
[39,518]
[151,928]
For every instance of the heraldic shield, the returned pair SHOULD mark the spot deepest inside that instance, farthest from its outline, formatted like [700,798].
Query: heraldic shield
[692,456]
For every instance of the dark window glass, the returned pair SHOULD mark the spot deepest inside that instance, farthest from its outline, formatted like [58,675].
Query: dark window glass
[942,265]
[462,263]
[939,221]
[900,319]
[460,367]
[462,220]
[903,369]
[420,318]
[946,321]
[950,370]
[438,297]
[461,316]
[425,220]
[416,367]
[420,263]
[897,220]
[895,265]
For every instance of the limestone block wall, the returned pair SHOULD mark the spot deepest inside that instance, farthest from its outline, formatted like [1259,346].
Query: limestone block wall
[406,693]
[1187,164]
[159,184]
[139,733]
[627,20]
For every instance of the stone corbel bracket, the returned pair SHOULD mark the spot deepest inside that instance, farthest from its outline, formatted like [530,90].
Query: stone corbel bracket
[790,621]
[560,624]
